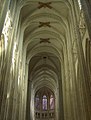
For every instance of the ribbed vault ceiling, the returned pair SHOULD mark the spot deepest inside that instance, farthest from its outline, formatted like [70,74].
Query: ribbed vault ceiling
[45,27]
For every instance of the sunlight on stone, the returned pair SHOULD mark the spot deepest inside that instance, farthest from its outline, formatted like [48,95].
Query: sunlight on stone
[13,56]
[8,95]
[7,25]
[79,2]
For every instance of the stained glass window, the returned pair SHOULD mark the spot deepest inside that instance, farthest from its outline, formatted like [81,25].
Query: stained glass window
[37,102]
[51,102]
[44,102]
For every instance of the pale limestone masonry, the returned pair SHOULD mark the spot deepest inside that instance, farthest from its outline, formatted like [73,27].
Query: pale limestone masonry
[45,45]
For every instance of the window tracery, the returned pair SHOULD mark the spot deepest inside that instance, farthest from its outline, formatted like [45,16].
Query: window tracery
[44,104]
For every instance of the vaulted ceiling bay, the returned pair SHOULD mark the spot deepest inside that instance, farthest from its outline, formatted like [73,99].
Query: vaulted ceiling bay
[47,42]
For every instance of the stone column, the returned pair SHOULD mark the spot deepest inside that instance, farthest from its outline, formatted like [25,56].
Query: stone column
[84,77]
[9,77]
[2,67]
[72,76]
[28,115]
[60,97]
[66,88]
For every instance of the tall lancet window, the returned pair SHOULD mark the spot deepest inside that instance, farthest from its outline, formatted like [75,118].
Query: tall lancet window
[44,102]
[37,102]
[51,102]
